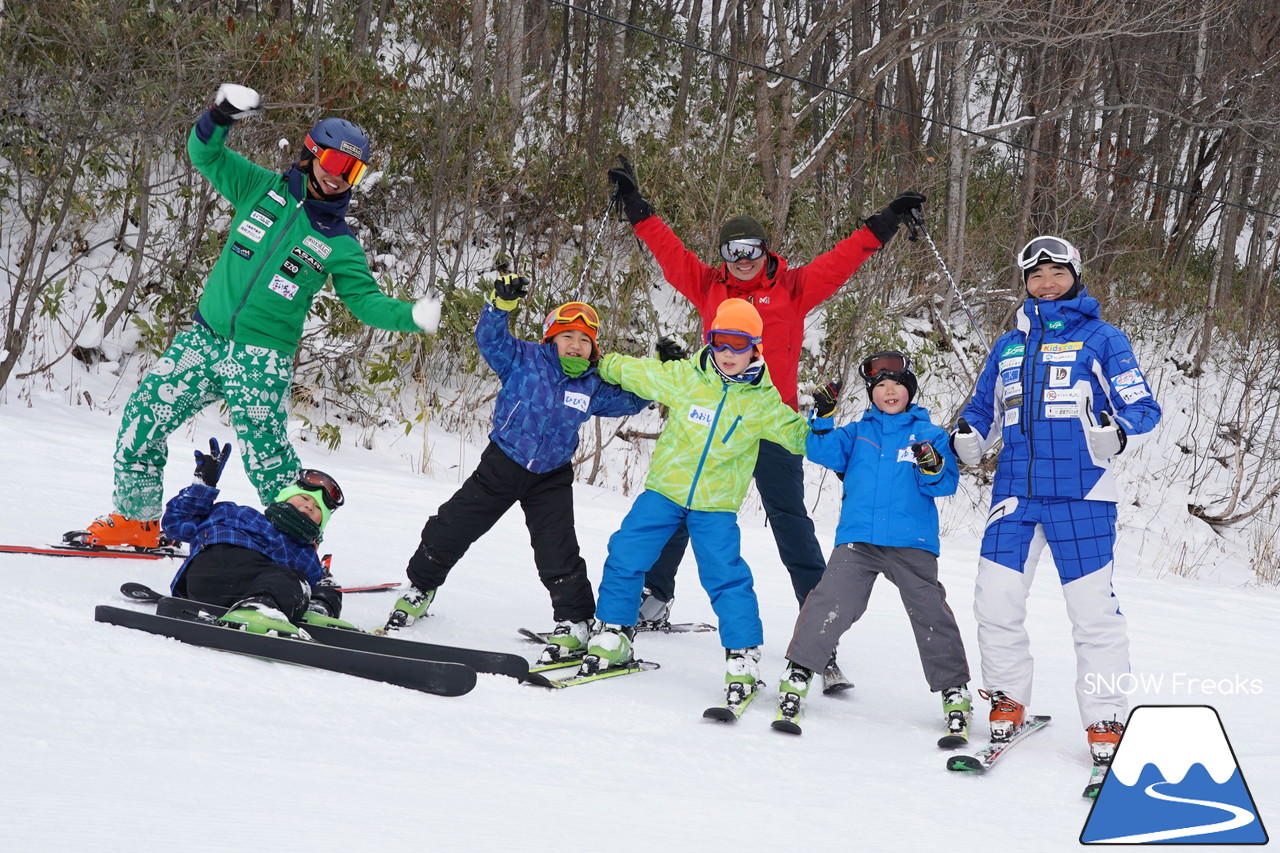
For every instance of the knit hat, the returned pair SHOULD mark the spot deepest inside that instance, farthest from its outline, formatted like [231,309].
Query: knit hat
[738,315]
[315,494]
[905,378]
[742,228]
[573,315]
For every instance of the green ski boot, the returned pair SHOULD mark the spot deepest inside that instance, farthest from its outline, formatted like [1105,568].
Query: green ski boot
[261,616]
[608,648]
[567,641]
[409,608]
[957,711]
[792,691]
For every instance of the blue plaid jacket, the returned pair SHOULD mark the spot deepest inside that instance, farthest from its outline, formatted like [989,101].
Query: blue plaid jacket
[191,516]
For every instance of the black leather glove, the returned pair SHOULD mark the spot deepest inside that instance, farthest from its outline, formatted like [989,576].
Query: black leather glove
[209,465]
[927,458]
[511,287]
[885,223]
[825,397]
[669,349]
[627,192]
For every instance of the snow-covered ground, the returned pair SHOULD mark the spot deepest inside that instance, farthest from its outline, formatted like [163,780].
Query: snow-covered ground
[117,740]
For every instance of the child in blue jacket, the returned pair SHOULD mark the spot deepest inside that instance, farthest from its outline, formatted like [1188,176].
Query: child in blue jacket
[549,389]
[894,462]
[263,565]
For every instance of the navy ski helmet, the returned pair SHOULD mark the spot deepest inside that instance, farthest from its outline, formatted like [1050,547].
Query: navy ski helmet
[341,148]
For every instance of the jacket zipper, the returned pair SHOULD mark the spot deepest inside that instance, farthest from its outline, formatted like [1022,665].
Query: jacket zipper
[711,435]
[265,258]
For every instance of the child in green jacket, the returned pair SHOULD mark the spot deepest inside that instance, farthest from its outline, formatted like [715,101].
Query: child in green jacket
[722,404]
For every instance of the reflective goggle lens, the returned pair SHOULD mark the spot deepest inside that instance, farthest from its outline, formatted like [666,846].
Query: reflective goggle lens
[311,480]
[571,311]
[736,342]
[338,163]
[884,362]
[1055,250]
[750,249]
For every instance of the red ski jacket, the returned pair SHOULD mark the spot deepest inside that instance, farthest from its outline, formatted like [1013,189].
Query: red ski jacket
[782,295]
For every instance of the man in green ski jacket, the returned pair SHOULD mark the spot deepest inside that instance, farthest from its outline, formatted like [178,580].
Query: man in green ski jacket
[288,237]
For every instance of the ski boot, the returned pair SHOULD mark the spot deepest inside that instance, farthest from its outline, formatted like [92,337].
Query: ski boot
[957,711]
[1104,737]
[567,641]
[319,614]
[1007,715]
[654,612]
[259,615]
[608,648]
[116,531]
[792,691]
[409,608]
[742,676]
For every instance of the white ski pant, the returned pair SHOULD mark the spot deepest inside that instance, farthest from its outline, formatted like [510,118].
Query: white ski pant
[1080,537]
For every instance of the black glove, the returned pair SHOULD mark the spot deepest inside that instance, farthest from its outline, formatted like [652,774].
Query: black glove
[669,349]
[511,287]
[824,398]
[885,223]
[927,458]
[233,102]
[627,193]
[209,466]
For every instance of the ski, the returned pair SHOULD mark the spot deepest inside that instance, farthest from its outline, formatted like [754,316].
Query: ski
[952,741]
[833,680]
[144,594]
[729,712]
[563,663]
[438,677]
[163,552]
[985,758]
[1097,776]
[497,663]
[643,627]
[613,672]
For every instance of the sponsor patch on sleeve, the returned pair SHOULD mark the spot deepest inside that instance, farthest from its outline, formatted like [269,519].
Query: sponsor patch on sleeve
[577,400]
[283,286]
[1134,392]
[1129,377]
[276,197]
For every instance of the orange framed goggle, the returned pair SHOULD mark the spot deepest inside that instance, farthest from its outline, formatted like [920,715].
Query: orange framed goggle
[338,163]
[571,311]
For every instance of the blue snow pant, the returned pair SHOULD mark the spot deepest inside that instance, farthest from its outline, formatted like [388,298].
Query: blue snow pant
[717,546]
[779,477]
[1081,536]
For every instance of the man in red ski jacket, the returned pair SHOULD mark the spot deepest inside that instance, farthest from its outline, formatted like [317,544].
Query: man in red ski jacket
[783,295]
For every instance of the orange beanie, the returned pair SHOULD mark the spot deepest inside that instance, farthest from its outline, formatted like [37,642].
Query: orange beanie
[738,315]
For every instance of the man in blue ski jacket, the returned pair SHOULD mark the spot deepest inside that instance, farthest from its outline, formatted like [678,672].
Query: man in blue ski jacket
[1065,393]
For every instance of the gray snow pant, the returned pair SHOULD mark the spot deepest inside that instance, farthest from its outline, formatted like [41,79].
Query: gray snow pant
[841,597]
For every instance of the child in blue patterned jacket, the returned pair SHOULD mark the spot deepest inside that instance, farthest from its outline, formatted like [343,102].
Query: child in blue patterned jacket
[549,389]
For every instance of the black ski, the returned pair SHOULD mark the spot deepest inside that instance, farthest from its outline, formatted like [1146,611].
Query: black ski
[438,677]
[642,628]
[498,663]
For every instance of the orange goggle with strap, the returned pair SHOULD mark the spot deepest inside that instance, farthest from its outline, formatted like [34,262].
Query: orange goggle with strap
[337,163]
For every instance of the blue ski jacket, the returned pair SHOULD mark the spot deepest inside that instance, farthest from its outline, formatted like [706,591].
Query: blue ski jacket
[888,500]
[1043,385]
[191,516]
[539,409]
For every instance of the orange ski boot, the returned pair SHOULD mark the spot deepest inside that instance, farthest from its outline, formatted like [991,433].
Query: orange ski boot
[1007,715]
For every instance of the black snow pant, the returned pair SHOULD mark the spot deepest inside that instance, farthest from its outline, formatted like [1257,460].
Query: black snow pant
[841,598]
[225,574]
[492,489]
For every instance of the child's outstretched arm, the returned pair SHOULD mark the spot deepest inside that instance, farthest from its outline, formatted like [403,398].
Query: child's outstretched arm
[500,348]
[649,378]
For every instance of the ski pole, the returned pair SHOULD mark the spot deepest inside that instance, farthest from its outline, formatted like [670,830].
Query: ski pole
[586,264]
[915,226]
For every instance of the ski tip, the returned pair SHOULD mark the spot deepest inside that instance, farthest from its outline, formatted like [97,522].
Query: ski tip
[788,726]
[952,742]
[965,764]
[720,715]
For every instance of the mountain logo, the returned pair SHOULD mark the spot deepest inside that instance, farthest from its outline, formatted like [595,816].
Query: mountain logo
[1174,780]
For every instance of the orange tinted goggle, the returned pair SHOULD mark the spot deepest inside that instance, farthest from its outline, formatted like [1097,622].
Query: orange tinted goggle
[338,163]
[571,311]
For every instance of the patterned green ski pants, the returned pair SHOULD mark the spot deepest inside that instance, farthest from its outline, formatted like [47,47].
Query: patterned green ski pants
[199,368]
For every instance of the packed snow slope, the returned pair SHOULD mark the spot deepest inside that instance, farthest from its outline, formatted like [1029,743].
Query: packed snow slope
[117,740]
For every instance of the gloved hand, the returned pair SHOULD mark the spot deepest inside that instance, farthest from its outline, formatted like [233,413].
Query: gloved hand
[627,192]
[233,102]
[928,459]
[669,349]
[885,223]
[825,397]
[965,443]
[1107,439]
[209,466]
[426,313]
[511,287]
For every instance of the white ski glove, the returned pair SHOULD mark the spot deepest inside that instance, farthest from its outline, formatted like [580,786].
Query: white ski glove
[233,102]
[1107,439]
[426,313]
[965,443]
